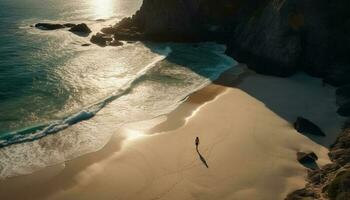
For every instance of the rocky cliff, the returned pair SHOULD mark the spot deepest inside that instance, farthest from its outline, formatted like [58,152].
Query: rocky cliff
[275,37]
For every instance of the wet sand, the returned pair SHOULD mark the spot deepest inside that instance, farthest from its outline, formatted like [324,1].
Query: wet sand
[246,138]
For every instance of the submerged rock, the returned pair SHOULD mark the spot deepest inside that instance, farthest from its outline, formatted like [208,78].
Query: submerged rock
[115,43]
[305,126]
[101,39]
[49,26]
[81,29]
[306,158]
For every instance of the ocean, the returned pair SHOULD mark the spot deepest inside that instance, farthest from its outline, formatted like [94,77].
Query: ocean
[60,100]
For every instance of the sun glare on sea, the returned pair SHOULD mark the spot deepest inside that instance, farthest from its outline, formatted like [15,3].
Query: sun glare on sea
[103,8]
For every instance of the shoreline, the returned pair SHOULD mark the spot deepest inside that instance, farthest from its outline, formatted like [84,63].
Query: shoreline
[185,109]
[126,167]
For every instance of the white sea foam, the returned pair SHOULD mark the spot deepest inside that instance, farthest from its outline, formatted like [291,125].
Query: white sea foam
[172,72]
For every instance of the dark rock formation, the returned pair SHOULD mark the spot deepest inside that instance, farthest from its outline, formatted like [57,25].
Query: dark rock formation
[48,26]
[338,76]
[343,99]
[80,29]
[331,181]
[115,43]
[99,39]
[339,188]
[344,109]
[103,40]
[69,25]
[305,126]
[277,37]
[344,91]
[302,194]
[306,158]
[340,150]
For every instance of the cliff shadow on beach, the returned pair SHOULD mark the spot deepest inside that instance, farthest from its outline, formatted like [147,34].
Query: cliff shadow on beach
[299,96]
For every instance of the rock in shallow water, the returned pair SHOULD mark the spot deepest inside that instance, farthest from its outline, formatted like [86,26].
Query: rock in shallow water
[101,39]
[69,25]
[81,29]
[115,43]
[104,40]
[49,26]
[305,126]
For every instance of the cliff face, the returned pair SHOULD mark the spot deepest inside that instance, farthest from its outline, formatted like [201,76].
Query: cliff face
[275,37]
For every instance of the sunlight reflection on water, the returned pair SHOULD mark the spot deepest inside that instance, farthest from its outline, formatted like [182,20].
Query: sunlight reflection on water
[103,8]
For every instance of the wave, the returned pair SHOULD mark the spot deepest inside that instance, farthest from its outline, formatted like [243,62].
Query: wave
[36,132]
[169,77]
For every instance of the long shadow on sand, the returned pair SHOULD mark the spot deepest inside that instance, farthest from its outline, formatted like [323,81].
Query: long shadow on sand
[202,158]
[299,95]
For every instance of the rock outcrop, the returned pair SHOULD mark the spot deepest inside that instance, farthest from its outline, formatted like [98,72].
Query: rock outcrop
[277,37]
[49,26]
[339,188]
[332,180]
[344,109]
[305,126]
[306,158]
[80,29]
[103,40]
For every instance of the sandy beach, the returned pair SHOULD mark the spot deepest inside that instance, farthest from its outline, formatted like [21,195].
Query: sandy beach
[246,138]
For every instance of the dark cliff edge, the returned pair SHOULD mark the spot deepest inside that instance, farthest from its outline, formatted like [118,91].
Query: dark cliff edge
[331,181]
[275,37]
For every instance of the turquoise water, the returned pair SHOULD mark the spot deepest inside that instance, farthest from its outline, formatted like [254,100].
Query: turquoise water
[59,100]
[31,88]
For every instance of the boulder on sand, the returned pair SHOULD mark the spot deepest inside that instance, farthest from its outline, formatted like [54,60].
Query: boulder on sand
[306,158]
[305,126]
[80,29]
